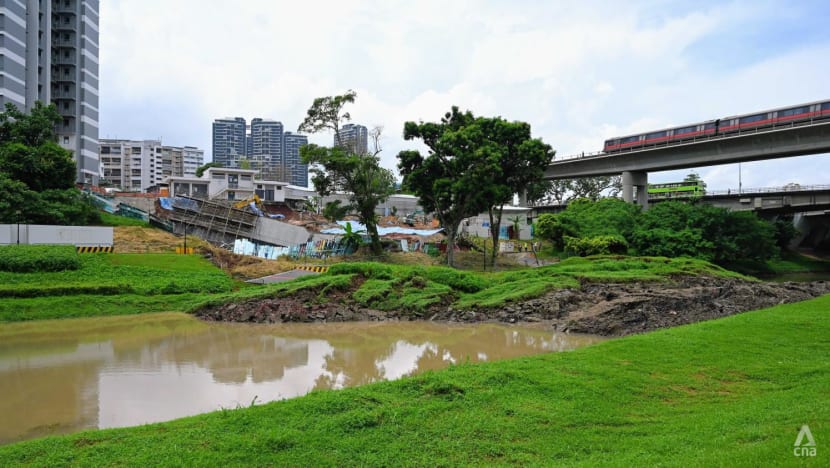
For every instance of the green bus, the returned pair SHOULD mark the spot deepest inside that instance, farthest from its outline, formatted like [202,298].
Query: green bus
[686,189]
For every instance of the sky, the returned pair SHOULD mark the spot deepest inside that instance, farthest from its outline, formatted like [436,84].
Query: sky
[577,72]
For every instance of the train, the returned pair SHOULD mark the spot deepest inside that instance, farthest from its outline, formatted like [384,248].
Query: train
[785,115]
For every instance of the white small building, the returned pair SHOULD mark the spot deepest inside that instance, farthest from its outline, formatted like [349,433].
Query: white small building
[221,183]
[479,226]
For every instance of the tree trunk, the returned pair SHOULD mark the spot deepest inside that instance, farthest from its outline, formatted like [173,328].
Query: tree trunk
[495,228]
[372,230]
[451,230]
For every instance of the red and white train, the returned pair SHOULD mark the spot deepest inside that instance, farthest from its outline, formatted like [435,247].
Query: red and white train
[810,111]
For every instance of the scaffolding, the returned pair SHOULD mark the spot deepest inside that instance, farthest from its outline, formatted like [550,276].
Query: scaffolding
[218,222]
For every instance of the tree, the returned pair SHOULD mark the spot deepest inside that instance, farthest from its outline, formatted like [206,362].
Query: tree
[455,180]
[560,192]
[200,171]
[694,178]
[520,162]
[333,211]
[28,151]
[37,176]
[368,184]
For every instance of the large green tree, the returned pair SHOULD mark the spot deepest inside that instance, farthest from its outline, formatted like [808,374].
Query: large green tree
[360,175]
[37,176]
[456,179]
[520,162]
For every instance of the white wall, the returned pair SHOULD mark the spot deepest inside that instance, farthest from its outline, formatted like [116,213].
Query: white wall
[91,236]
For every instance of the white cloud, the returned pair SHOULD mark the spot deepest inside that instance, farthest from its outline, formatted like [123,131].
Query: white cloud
[577,72]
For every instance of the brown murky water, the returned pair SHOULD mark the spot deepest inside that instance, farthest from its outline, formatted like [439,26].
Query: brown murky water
[63,376]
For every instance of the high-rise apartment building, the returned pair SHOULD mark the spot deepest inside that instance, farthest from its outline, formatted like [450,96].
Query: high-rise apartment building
[267,148]
[140,165]
[296,173]
[50,54]
[353,137]
[132,165]
[192,158]
[177,161]
[229,145]
[266,154]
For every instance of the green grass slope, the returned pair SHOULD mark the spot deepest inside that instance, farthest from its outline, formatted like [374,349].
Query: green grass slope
[729,392]
[110,284]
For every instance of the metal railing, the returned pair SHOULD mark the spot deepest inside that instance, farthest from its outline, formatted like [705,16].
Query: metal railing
[698,139]
[753,191]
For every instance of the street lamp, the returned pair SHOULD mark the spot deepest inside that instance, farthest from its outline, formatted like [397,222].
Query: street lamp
[17,217]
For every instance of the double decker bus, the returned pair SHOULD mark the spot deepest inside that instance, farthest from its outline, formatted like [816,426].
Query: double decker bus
[672,190]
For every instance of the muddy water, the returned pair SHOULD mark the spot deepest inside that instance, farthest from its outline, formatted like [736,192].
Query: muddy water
[64,376]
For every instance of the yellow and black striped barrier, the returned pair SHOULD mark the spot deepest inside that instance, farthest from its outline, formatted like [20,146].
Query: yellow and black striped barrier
[182,250]
[315,269]
[85,249]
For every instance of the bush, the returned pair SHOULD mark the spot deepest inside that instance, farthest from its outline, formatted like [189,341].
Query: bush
[599,245]
[38,258]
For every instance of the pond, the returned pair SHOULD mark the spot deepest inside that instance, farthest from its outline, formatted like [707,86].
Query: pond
[64,376]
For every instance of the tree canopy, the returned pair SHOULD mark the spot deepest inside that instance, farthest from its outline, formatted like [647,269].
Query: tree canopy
[360,175]
[669,229]
[201,169]
[475,164]
[561,192]
[37,176]
[454,179]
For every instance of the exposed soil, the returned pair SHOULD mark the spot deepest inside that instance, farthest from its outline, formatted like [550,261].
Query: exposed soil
[596,308]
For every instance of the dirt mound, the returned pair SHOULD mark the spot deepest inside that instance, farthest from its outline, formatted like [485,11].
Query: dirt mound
[602,309]
[136,239]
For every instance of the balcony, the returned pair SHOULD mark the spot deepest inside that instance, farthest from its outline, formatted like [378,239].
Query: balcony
[64,95]
[59,59]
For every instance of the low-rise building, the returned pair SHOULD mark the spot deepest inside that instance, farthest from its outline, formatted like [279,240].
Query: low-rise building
[221,183]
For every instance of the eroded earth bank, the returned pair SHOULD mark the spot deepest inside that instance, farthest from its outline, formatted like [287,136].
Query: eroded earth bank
[610,309]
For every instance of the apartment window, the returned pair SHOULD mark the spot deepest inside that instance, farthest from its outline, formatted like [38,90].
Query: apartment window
[218,176]
[245,177]
[66,138]
[136,149]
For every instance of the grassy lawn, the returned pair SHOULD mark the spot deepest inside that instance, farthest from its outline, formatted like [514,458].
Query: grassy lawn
[793,262]
[111,284]
[729,392]
[108,219]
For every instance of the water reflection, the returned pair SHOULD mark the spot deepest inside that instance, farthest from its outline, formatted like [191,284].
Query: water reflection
[62,376]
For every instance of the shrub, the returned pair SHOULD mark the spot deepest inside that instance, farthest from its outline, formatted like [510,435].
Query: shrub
[38,258]
[599,245]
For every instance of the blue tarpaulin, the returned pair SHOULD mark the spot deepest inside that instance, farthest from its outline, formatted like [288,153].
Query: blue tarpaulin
[382,231]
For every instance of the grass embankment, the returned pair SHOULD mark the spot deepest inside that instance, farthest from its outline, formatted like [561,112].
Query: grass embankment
[731,392]
[111,284]
[794,262]
[413,289]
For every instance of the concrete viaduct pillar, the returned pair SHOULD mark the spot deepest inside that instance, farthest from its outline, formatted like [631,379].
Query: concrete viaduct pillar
[638,180]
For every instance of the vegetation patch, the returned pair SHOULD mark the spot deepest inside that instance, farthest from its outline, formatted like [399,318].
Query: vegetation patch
[413,290]
[736,389]
[503,293]
[38,258]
